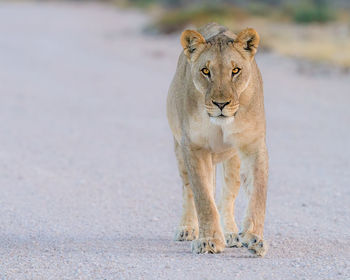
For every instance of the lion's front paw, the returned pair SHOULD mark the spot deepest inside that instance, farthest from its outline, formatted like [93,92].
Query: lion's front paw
[254,243]
[207,245]
[186,233]
[232,240]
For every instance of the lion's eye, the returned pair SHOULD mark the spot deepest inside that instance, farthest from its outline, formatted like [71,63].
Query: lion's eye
[205,71]
[235,71]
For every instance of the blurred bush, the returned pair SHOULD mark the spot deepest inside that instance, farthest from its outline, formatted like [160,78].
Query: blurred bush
[312,11]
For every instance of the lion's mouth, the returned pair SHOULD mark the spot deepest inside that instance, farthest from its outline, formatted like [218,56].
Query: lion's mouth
[222,116]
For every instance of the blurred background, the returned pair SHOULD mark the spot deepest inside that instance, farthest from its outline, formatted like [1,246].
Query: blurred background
[89,186]
[316,30]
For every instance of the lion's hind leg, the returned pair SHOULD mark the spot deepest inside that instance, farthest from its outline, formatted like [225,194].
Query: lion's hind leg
[188,228]
[231,169]
[255,171]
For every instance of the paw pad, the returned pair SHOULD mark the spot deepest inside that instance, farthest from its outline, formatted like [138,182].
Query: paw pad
[253,243]
[232,240]
[185,233]
[207,245]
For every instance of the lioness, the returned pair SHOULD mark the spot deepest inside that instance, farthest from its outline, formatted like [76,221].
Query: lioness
[215,109]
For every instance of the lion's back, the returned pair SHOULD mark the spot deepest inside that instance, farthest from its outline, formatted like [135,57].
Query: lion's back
[212,29]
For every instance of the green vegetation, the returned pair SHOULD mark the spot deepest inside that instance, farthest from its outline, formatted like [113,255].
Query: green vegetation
[300,11]
[312,11]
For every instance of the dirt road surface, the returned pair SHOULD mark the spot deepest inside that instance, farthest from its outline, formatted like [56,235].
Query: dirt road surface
[89,185]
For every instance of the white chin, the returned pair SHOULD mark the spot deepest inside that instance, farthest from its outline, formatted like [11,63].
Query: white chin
[222,120]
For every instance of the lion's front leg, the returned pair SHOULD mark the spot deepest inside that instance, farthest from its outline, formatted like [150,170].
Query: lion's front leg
[201,174]
[255,174]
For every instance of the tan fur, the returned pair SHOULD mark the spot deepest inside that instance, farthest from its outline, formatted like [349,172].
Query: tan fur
[205,135]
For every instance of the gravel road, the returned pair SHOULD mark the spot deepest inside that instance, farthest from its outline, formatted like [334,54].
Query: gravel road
[89,185]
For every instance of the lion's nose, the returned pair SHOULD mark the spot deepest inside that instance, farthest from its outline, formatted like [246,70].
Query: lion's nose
[221,105]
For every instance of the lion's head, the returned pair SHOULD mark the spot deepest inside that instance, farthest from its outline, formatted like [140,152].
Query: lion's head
[221,69]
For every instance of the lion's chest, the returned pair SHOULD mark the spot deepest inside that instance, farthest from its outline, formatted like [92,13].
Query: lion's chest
[216,138]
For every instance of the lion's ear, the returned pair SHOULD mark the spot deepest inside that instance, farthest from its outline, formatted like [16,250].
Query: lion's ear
[248,42]
[192,41]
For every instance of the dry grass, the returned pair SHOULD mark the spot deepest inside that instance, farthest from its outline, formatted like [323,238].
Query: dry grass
[332,50]
[319,43]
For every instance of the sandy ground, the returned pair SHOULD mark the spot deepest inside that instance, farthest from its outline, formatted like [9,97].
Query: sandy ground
[89,185]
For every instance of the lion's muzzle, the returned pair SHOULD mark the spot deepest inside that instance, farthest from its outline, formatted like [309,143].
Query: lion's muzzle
[222,109]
